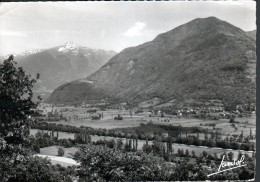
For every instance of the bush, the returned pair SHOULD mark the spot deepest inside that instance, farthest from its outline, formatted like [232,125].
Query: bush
[232,120]
[31,169]
[119,117]
[100,163]
[36,148]
[60,152]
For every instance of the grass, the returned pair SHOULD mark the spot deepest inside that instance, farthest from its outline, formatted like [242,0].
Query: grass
[197,149]
[128,122]
[53,151]
[108,122]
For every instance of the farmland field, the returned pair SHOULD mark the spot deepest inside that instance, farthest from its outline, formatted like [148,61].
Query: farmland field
[53,150]
[79,117]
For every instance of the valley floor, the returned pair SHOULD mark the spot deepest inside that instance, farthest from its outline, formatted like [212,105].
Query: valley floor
[53,150]
[79,117]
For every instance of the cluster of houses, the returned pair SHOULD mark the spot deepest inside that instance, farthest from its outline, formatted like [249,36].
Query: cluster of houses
[45,109]
[93,103]
[214,108]
[47,112]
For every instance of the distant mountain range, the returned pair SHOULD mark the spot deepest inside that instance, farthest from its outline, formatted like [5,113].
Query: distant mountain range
[61,64]
[204,59]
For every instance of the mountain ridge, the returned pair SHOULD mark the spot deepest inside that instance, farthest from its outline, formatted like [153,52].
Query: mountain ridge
[251,34]
[169,66]
[61,64]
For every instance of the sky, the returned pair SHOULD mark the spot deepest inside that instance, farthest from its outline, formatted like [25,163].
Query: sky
[107,25]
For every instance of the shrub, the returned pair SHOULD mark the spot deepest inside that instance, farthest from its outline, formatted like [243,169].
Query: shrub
[60,151]
[36,148]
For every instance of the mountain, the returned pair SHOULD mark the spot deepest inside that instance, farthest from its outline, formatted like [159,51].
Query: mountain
[61,64]
[204,59]
[251,34]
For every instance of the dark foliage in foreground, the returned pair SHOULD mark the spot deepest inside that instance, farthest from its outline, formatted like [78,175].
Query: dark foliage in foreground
[100,163]
[17,161]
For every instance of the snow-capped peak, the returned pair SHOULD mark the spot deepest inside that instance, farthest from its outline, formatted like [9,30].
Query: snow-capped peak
[33,51]
[69,46]
[25,53]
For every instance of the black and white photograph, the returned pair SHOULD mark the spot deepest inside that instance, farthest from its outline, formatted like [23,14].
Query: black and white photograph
[127,91]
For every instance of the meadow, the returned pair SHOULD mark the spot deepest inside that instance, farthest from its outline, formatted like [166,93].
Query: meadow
[79,117]
[53,150]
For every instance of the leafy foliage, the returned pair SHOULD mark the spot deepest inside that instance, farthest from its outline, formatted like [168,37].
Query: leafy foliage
[103,163]
[31,169]
[60,152]
[15,101]
[17,161]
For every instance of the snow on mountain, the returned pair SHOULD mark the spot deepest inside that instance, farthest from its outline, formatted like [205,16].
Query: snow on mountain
[204,59]
[61,64]
[33,51]
[25,53]
[69,46]
[75,49]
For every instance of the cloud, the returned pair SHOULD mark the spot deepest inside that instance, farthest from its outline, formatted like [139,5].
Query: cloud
[13,34]
[135,30]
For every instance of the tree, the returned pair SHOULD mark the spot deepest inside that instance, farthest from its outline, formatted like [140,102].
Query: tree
[33,169]
[187,153]
[197,142]
[60,151]
[36,148]
[204,153]
[193,153]
[211,143]
[215,156]
[232,119]
[239,155]
[119,144]
[230,156]
[147,148]
[212,136]
[242,135]
[100,163]
[15,102]
[234,145]
[180,152]
[206,136]
[157,148]
[16,107]
[246,174]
